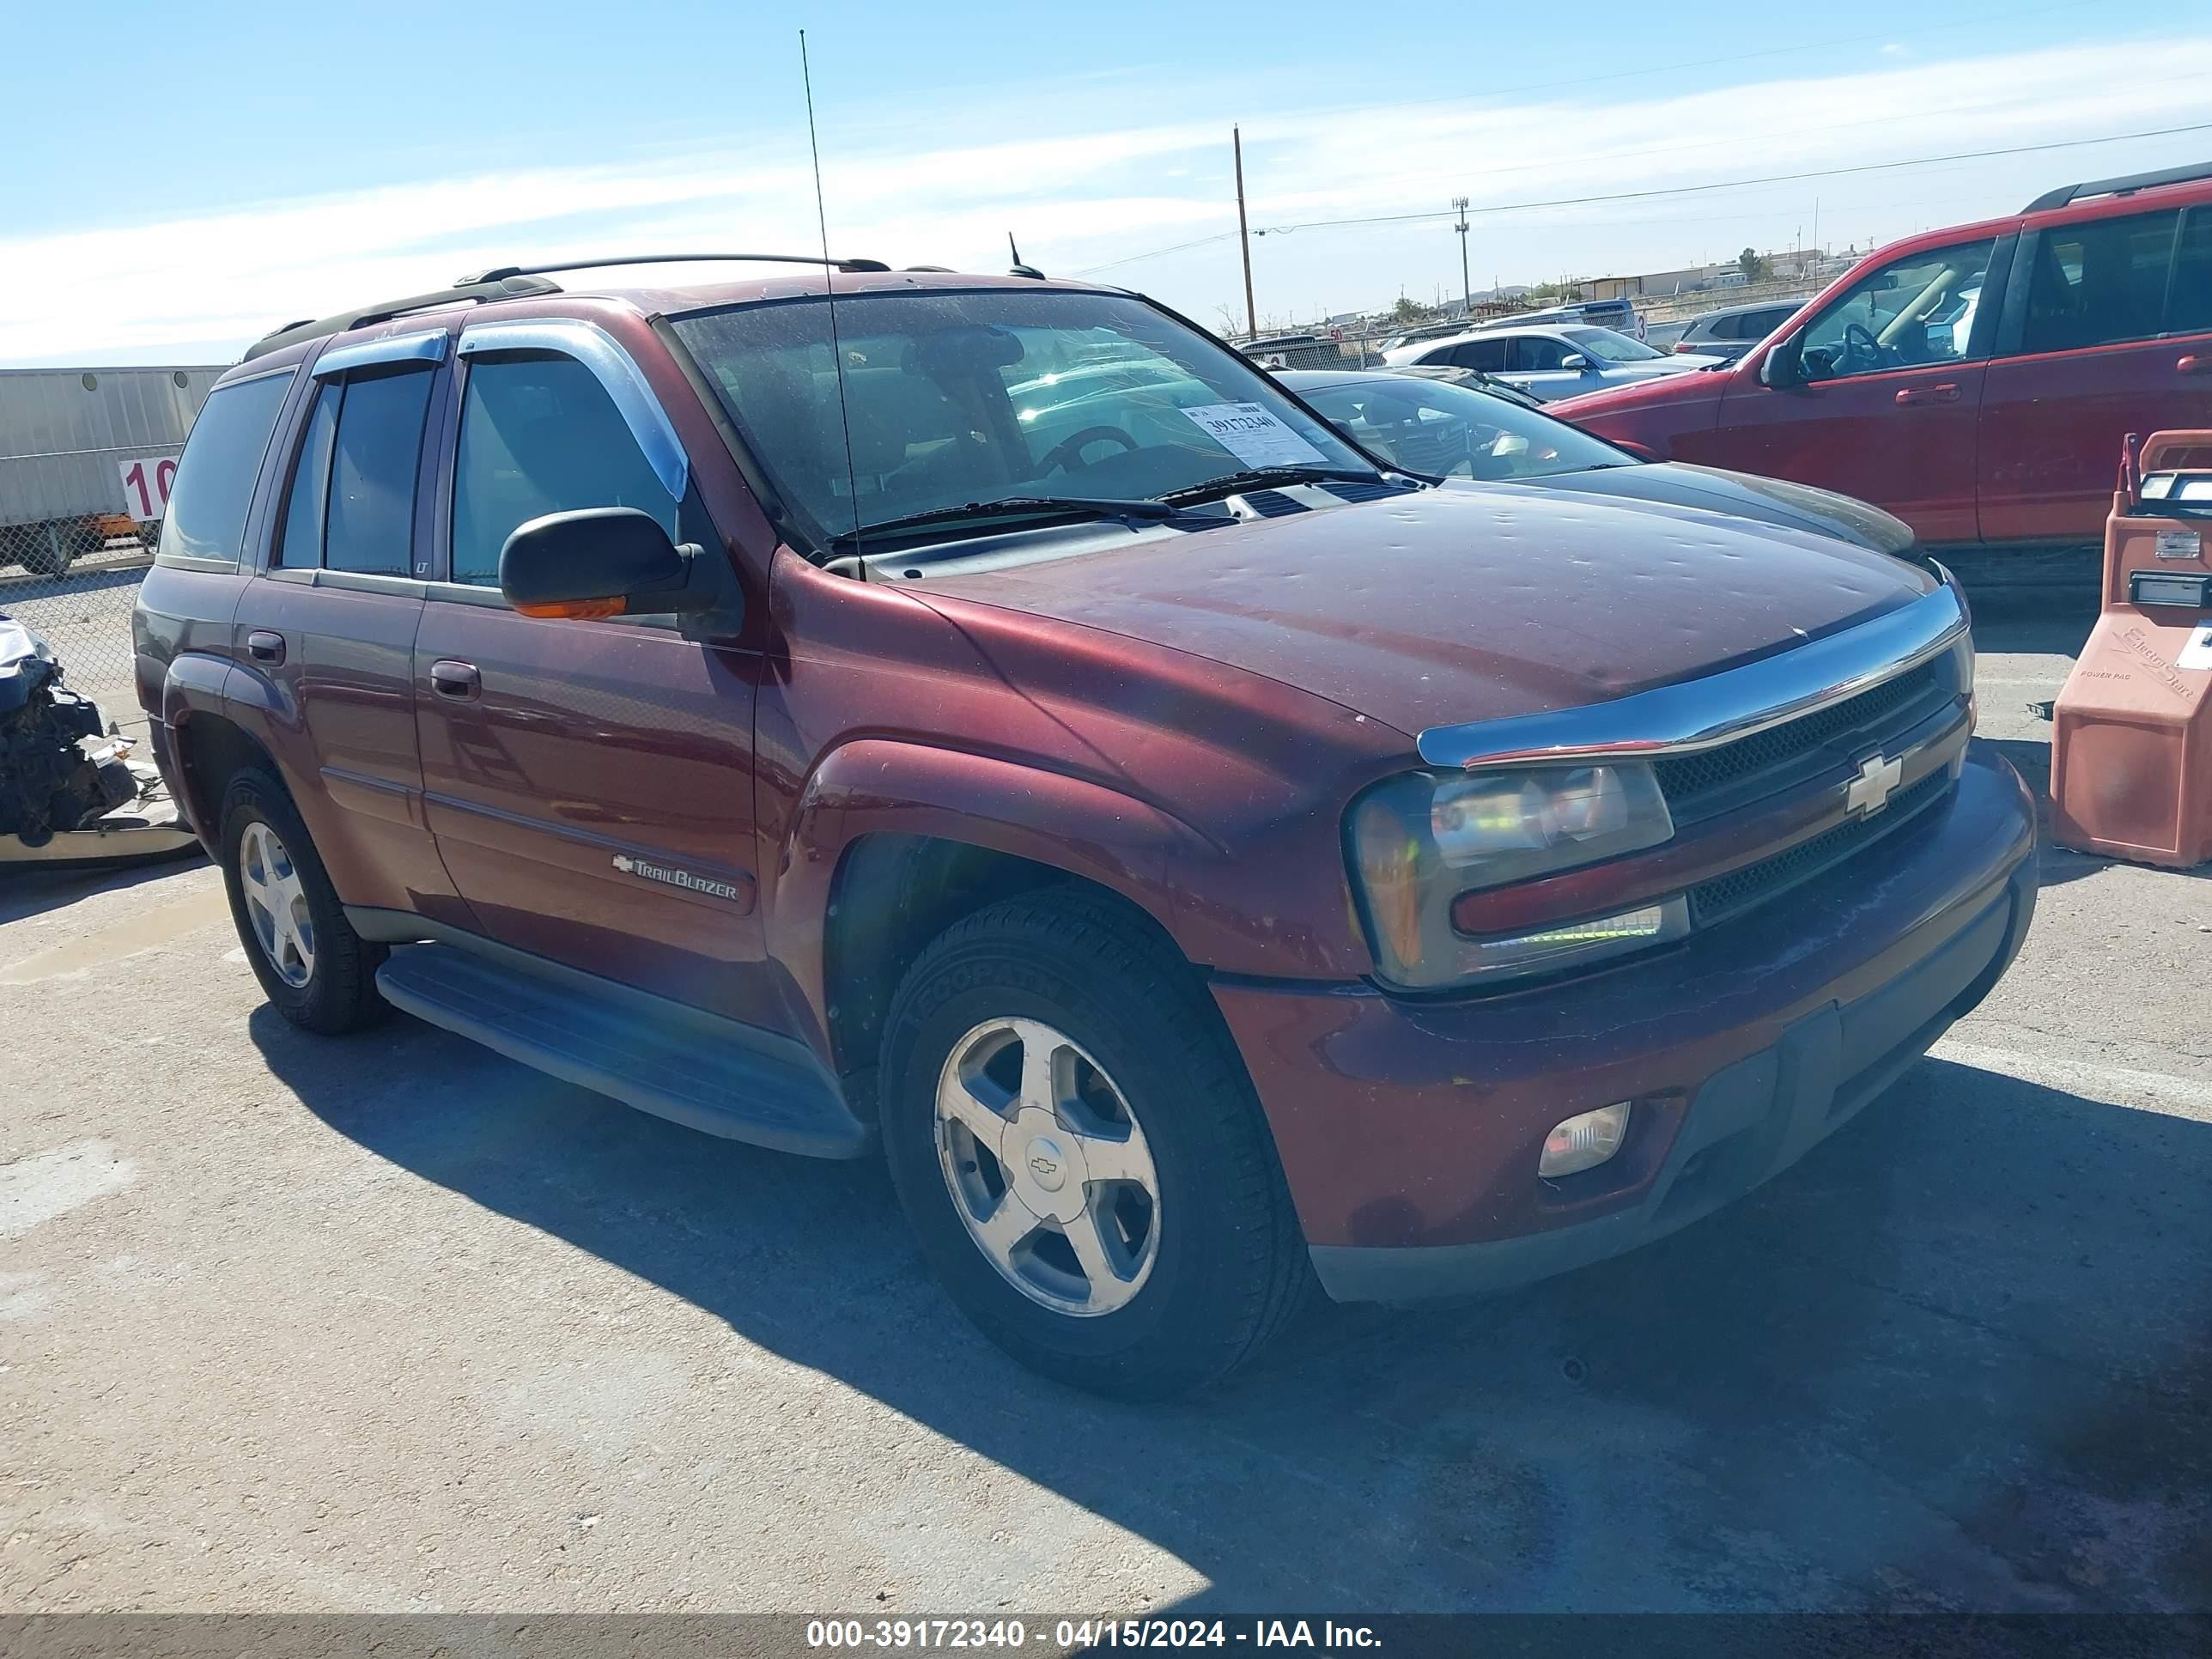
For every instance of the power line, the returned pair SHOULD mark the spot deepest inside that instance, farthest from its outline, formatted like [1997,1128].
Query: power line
[1746,184]
[1157,252]
[1670,189]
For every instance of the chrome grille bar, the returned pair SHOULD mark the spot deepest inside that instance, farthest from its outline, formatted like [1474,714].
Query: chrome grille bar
[1701,713]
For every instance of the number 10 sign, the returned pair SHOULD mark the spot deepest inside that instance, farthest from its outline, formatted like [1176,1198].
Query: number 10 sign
[146,486]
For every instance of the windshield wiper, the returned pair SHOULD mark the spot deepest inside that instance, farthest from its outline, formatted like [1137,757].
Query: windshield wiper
[1008,506]
[1266,477]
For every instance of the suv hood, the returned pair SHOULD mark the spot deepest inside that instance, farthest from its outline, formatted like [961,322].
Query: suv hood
[1743,495]
[1696,386]
[1463,603]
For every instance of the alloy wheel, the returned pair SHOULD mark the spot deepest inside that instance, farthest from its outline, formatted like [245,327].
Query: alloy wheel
[1048,1167]
[277,905]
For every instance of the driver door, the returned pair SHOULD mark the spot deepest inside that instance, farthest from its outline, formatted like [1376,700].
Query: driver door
[1538,363]
[1890,408]
[589,783]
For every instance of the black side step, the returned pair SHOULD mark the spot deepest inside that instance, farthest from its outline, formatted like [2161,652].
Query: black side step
[676,1063]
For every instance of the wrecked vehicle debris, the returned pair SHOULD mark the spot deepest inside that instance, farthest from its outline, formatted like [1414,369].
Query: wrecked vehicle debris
[68,788]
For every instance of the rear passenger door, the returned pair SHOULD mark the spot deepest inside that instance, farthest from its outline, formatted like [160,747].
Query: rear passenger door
[1486,355]
[327,630]
[2107,330]
[590,783]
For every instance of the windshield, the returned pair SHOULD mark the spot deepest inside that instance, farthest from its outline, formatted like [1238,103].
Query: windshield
[1607,347]
[1443,428]
[954,397]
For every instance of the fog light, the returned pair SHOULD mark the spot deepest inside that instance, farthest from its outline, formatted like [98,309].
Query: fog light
[1585,1141]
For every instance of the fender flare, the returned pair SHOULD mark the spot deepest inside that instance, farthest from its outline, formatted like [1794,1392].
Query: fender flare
[193,684]
[888,785]
[196,684]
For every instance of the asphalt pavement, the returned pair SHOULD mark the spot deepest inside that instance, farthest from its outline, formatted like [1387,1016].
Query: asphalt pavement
[390,1324]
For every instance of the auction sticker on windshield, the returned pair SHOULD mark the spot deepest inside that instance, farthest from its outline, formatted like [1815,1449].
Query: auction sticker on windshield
[1252,436]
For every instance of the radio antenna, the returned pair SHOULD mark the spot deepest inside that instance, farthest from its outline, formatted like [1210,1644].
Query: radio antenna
[829,295]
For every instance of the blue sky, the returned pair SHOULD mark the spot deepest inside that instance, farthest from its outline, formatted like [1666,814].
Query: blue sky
[177,179]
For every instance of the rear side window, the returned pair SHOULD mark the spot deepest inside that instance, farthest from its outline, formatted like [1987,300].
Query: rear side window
[2098,283]
[1487,355]
[352,503]
[539,435]
[213,486]
[2189,295]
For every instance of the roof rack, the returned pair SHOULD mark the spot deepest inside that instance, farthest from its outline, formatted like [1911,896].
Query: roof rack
[500,271]
[514,281]
[501,288]
[2125,186]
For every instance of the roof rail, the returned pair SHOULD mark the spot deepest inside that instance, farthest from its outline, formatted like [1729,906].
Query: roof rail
[2125,186]
[500,271]
[498,287]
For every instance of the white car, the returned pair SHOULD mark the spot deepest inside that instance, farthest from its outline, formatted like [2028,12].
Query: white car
[1552,362]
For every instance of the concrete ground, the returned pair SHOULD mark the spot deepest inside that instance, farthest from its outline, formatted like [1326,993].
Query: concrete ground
[390,1324]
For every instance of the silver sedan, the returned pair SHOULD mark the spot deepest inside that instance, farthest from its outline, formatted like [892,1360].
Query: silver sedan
[1552,362]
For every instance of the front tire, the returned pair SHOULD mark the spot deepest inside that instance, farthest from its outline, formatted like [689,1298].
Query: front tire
[1080,1153]
[316,971]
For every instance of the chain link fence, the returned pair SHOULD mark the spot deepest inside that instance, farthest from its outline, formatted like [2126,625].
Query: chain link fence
[87,458]
[78,599]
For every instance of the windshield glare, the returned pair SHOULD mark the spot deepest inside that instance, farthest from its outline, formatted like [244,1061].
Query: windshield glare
[960,396]
[1445,429]
[1606,346]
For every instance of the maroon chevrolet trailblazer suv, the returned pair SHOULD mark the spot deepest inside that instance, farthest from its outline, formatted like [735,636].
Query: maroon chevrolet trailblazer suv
[1975,381]
[988,719]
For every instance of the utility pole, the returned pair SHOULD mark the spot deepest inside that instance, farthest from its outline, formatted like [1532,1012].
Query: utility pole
[1466,288]
[1244,239]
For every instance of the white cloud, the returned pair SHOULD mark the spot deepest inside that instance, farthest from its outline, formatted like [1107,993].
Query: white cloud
[205,283]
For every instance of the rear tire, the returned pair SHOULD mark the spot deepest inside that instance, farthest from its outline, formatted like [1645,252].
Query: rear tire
[1139,1120]
[315,969]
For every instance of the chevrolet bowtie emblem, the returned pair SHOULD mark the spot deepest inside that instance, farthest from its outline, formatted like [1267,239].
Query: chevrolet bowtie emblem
[1869,791]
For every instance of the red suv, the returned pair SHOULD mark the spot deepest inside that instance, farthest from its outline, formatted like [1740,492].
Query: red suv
[988,719]
[1977,382]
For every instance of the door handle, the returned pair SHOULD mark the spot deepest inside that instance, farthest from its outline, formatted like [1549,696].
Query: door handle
[455,679]
[2193,364]
[1945,394]
[265,646]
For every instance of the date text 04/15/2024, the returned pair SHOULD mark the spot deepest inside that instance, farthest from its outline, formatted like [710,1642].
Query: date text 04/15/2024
[1078,1635]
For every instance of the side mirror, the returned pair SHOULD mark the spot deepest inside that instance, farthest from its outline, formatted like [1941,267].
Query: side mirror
[600,562]
[1784,365]
[1576,360]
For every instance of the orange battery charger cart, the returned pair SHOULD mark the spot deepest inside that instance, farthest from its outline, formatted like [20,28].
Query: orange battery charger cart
[2131,737]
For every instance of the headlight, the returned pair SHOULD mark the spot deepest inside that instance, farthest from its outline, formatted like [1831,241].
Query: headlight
[1418,841]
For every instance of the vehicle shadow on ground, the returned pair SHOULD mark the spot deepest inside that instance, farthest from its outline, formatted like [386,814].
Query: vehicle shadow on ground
[1957,1358]
[32,889]
[19,589]
[2035,627]
[2055,866]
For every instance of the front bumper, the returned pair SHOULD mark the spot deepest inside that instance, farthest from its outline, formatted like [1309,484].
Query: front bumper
[1409,1131]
